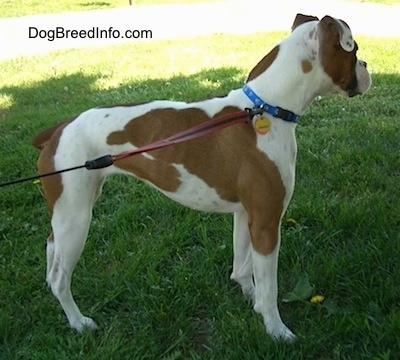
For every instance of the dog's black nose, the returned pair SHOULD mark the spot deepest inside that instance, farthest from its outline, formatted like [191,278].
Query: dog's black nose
[363,63]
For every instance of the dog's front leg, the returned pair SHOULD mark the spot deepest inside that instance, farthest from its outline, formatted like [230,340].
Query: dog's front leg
[242,271]
[265,271]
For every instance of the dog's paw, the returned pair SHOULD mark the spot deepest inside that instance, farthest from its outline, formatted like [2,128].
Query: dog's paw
[275,326]
[282,333]
[84,323]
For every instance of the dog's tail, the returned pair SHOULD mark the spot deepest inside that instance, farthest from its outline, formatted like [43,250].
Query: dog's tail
[40,140]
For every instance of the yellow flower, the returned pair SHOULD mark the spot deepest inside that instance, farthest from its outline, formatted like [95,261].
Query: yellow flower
[317,299]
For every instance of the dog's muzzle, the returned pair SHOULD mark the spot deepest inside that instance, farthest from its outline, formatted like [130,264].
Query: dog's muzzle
[362,80]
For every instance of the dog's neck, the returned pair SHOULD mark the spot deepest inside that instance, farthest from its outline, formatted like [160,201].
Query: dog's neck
[286,76]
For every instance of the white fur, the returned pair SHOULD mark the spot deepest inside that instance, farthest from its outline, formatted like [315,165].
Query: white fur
[196,194]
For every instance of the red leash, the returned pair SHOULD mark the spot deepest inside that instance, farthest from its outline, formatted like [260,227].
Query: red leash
[189,134]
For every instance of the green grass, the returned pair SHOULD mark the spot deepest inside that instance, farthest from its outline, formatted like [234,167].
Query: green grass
[11,8]
[155,275]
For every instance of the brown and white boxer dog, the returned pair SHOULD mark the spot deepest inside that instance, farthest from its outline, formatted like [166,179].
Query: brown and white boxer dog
[243,169]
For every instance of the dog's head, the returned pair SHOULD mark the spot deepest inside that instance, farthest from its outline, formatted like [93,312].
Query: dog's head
[332,42]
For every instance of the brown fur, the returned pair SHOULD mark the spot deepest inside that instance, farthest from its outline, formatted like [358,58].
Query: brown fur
[264,64]
[306,66]
[301,19]
[40,140]
[48,142]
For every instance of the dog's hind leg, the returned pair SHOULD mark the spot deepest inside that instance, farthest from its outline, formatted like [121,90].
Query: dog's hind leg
[70,222]
[242,271]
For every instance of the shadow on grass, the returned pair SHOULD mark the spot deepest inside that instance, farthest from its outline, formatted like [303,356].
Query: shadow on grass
[56,98]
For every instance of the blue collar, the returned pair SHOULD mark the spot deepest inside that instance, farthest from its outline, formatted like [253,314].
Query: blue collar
[272,110]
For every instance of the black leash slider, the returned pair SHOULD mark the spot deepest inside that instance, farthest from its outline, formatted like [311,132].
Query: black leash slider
[100,162]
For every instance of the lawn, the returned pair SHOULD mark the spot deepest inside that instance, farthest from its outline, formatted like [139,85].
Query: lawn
[154,275]
[31,7]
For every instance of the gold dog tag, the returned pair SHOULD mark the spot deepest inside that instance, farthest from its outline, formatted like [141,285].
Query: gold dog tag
[262,124]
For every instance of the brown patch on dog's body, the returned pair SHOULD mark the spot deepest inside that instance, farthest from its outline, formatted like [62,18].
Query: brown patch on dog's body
[264,64]
[263,196]
[40,140]
[52,185]
[306,66]
[201,157]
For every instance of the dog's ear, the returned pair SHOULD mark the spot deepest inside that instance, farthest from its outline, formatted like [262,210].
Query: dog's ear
[340,32]
[301,19]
